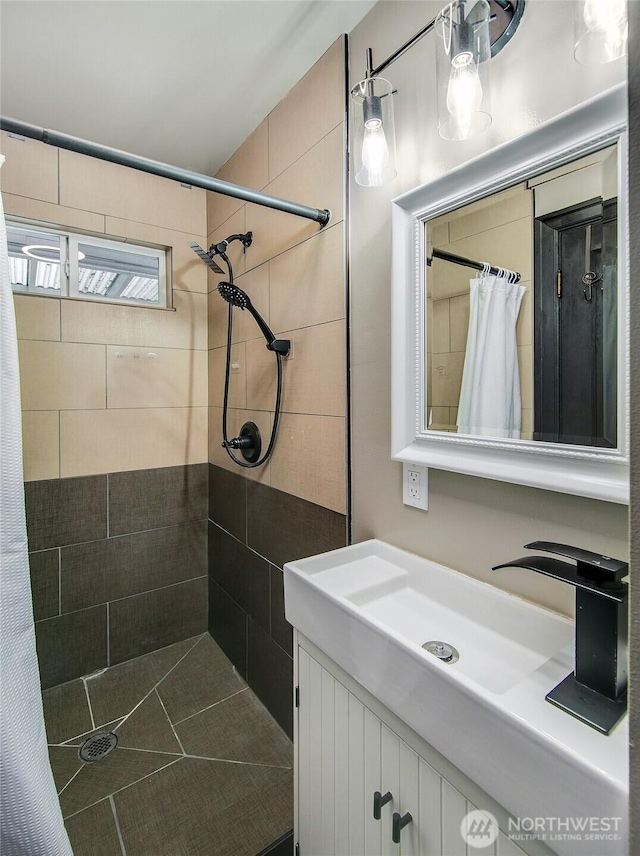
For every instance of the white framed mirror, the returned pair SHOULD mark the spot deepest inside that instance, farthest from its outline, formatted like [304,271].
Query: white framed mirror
[509,310]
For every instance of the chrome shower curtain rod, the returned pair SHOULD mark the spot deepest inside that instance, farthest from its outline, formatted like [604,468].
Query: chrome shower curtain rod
[186,176]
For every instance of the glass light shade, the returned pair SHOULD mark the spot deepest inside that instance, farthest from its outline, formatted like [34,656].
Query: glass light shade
[601,31]
[373,137]
[462,69]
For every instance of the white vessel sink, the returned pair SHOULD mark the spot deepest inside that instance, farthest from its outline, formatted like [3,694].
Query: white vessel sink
[371,607]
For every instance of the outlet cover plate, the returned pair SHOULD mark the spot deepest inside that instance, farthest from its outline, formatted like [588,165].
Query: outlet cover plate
[415,486]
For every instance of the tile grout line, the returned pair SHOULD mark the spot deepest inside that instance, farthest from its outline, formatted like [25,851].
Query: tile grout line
[108,527]
[86,692]
[215,704]
[248,546]
[117,823]
[299,158]
[74,813]
[69,745]
[108,635]
[146,591]
[175,733]
[246,513]
[125,597]
[72,778]
[59,580]
[270,603]
[246,647]
[270,563]
[151,751]
[111,537]
[106,407]
[291,330]
[60,421]
[122,721]
[240,763]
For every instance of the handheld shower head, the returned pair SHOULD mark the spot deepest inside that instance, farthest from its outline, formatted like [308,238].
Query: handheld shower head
[237,297]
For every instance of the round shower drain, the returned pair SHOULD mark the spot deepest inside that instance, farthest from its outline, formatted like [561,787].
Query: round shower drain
[98,746]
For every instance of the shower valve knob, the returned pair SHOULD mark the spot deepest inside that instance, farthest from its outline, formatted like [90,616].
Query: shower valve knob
[240,443]
[249,442]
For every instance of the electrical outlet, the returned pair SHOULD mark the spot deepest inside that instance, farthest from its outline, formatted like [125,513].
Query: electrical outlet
[415,487]
[414,484]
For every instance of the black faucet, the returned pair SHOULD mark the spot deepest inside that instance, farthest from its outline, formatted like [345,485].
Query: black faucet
[596,692]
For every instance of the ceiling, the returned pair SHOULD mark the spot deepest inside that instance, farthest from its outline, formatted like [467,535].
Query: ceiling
[180,81]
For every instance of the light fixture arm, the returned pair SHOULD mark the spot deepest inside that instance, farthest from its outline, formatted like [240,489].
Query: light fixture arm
[514,10]
[375,72]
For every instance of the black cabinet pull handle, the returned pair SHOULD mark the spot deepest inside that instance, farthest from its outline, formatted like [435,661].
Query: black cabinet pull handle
[378,801]
[399,824]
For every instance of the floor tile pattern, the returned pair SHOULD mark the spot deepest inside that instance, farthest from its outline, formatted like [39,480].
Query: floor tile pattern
[200,769]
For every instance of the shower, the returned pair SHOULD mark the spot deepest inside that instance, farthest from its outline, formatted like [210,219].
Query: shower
[249,441]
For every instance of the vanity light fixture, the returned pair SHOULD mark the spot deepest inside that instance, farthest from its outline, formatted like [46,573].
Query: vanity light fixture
[601,31]
[462,70]
[470,33]
[374,141]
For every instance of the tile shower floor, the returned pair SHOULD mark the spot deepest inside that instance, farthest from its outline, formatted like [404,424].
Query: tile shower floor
[200,766]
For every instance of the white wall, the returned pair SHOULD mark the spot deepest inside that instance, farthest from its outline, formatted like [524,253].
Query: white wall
[634,253]
[472,523]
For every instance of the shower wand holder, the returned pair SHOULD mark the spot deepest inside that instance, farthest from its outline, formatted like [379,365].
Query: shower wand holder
[280,346]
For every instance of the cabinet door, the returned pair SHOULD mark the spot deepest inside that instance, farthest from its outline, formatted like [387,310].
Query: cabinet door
[390,781]
[454,808]
[338,768]
[309,755]
[430,818]
[419,793]
[344,754]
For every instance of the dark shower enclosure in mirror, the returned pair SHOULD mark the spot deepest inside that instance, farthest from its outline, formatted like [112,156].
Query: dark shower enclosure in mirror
[532,356]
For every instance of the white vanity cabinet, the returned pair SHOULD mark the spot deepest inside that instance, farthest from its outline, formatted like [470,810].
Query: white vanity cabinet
[348,746]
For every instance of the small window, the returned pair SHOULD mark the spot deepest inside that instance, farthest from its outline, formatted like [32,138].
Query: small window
[34,260]
[64,264]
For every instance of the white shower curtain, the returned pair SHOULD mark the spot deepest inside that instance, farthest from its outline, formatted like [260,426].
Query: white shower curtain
[31,821]
[490,404]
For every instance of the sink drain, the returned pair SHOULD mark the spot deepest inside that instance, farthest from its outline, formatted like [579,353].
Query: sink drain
[442,650]
[98,746]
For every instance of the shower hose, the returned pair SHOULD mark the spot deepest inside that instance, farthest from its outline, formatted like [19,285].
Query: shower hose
[276,417]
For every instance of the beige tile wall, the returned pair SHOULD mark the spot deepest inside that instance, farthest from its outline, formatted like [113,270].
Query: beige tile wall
[294,274]
[107,387]
[498,230]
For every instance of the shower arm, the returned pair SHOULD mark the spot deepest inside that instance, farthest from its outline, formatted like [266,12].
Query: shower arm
[246,238]
[185,176]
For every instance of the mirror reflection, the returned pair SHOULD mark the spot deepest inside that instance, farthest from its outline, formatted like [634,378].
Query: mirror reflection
[522,312]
